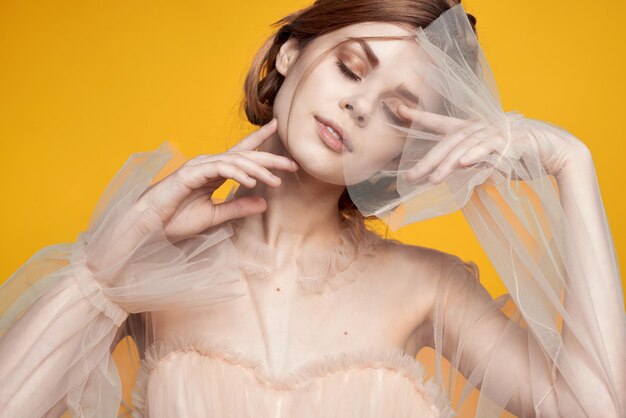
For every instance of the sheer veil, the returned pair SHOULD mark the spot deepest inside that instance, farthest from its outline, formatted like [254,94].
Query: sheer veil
[541,247]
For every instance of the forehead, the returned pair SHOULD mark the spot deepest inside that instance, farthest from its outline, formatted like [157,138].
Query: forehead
[388,50]
[374,29]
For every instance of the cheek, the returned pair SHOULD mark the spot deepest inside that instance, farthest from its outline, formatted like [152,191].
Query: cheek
[303,95]
[297,130]
[281,107]
[376,152]
[285,111]
[379,143]
[319,88]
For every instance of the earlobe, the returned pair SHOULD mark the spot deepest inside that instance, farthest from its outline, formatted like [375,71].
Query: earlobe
[287,56]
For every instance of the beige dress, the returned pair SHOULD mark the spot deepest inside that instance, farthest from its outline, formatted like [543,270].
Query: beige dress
[225,329]
[195,380]
[222,328]
[206,368]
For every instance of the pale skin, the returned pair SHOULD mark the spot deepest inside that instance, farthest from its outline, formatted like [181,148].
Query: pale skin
[264,163]
[569,162]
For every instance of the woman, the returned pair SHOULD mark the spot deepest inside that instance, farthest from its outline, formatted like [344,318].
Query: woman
[279,302]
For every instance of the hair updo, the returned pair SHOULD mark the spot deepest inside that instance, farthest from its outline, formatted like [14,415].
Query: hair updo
[263,80]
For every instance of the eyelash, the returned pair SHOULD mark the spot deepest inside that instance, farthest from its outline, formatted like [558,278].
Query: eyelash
[393,116]
[350,74]
[347,72]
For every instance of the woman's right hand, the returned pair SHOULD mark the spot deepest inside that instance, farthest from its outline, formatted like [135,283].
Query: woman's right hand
[181,203]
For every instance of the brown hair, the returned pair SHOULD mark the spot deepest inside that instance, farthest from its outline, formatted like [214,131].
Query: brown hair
[263,80]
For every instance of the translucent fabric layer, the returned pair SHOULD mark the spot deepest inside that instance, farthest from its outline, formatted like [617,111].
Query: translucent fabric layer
[67,313]
[180,306]
[547,237]
[200,379]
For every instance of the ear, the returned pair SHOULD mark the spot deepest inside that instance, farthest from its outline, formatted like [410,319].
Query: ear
[287,56]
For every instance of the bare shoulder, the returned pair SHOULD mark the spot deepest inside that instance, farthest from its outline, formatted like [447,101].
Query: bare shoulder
[420,262]
[413,275]
[411,264]
[410,270]
[409,277]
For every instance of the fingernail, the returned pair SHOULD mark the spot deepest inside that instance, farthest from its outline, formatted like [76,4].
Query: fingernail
[434,177]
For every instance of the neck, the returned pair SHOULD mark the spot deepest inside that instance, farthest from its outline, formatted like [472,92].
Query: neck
[301,212]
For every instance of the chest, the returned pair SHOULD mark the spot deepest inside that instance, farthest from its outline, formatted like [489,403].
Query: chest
[284,326]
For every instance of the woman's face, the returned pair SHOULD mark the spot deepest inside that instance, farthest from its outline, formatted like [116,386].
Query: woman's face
[354,86]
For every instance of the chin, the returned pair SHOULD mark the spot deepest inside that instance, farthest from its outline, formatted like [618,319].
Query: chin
[318,164]
[321,171]
[315,158]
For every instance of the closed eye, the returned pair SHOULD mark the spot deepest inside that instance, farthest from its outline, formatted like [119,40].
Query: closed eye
[394,118]
[347,72]
[352,76]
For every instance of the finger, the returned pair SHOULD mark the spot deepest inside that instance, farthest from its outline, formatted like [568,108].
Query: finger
[253,169]
[453,159]
[266,159]
[257,137]
[238,208]
[476,154]
[201,191]
[270,160]
[197,176]
[429,120]
[495,142]
[436,155]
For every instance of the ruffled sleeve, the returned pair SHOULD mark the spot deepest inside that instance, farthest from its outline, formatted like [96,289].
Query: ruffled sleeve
[60,314]
[555,345]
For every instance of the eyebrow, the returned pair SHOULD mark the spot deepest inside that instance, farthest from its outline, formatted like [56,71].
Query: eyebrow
[402,90]
[371,57]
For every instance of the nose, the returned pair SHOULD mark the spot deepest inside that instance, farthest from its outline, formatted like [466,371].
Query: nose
[355,110]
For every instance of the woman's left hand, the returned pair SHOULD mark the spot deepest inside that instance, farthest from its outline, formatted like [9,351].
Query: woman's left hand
[467,142]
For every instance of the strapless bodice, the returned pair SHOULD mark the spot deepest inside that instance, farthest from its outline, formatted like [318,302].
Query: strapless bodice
[192,379]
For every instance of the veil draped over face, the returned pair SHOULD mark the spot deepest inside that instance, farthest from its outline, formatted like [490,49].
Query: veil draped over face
[547,337]
[537,236]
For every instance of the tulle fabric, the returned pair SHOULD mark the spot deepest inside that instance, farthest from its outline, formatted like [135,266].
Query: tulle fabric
[61,318]
[546,243]
[66,315]
[66,318]
[196,378]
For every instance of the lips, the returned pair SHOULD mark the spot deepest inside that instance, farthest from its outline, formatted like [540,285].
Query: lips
[333,135]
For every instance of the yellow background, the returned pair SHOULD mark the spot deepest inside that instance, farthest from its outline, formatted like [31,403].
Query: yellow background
[84,84]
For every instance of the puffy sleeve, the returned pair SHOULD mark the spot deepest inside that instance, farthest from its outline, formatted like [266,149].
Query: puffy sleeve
[555,344]
[60,315]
